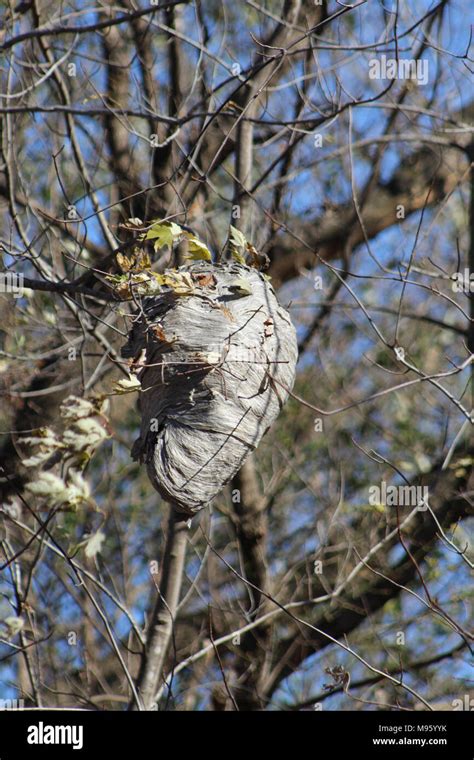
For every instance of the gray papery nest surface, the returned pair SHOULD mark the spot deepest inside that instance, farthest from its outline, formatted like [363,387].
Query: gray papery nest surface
[215,368]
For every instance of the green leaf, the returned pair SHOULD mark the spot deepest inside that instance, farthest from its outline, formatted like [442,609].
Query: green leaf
[197,250]
[240,286]
[237,244]
[165,234]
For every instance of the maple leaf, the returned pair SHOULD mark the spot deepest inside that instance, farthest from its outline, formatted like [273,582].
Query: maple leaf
[165,234]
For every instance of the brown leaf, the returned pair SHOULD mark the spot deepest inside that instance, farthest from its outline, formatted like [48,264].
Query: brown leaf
[205,280]
[158,332]
[257,260]
[139,261]
[124,262]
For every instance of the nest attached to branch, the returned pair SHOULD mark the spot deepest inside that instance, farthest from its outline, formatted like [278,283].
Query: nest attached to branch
[215,355]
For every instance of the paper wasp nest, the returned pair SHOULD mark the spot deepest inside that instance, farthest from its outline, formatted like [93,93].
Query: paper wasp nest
[215,355]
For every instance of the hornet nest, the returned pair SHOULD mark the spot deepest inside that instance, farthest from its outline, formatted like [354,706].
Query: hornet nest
[215,355]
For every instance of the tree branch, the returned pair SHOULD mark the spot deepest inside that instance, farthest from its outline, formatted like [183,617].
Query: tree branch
[54,31]
[163,617]
[450,500]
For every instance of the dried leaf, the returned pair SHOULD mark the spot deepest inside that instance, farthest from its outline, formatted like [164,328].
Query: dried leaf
[205,280]
[180,282]
[124,262]
[141,283]
[126,385]
[139,261]
[158,331]
[255,259]
[134,223]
